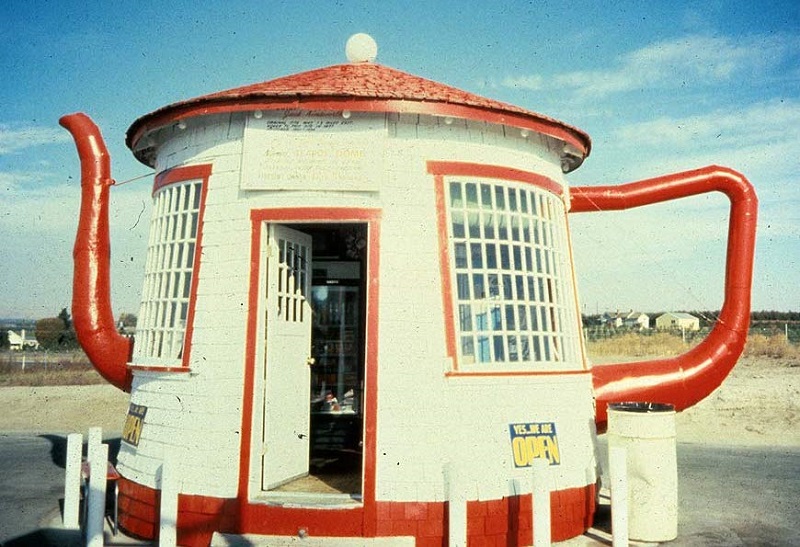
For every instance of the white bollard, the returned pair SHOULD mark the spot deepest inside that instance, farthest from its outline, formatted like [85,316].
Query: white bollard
[93,441]
[457,507]
[540,494]
[95,521]
[618,471]
[72,481]
[168,517]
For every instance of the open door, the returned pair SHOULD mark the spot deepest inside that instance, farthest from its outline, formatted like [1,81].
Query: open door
[286,430]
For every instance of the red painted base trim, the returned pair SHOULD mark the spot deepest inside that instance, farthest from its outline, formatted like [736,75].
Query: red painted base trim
[500,522]
[198,516]
[138,509]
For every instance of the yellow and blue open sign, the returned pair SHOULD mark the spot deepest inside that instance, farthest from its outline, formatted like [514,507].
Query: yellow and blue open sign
[533,440]
[134,422]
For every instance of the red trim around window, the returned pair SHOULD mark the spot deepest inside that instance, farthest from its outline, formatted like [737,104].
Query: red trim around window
[467,169]
[262,517]
[181,174]
[439,170]
[165,178]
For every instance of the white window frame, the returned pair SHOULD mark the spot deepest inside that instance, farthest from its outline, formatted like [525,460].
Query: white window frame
[169,273]
[512,282]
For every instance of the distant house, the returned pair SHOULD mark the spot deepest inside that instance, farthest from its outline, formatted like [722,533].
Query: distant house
[17,342]
[129,330]
[631,320]
[677,320]
[611,320]
[636,320]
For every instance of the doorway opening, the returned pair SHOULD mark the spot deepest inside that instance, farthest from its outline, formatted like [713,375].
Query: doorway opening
[313,434]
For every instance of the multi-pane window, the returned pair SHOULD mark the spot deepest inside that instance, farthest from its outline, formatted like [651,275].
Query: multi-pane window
[512,281]
[292,289]
[168,273]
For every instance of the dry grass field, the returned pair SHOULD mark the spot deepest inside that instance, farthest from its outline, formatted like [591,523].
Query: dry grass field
[38,368]
[668,344]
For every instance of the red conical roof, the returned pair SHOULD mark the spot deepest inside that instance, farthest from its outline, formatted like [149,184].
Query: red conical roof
[364,87]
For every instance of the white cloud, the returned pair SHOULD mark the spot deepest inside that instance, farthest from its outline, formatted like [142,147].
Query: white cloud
[532,82]
[679,247]
[39,223]
[39,209]
[695,60]
[770,123]
[760,140]
[10,182]
[29,205]
[14,138]
[664,256]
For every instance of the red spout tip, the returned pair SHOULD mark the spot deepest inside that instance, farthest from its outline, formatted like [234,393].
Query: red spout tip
[68,120]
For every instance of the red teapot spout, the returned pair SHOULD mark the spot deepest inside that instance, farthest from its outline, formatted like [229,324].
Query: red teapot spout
[92,315]
[687,379]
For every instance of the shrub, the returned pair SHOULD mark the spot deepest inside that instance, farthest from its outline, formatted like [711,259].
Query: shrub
[775,346]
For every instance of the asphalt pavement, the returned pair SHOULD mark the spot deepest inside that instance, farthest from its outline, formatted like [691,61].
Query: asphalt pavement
[732,496]
[31,482]
[727,496]
[32,490]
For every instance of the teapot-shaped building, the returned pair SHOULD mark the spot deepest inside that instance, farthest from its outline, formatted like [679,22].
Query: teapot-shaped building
[359,305]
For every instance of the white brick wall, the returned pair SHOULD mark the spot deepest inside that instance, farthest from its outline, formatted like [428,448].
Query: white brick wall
[424,418]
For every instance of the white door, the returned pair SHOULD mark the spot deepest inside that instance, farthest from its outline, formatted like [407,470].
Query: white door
[287,350]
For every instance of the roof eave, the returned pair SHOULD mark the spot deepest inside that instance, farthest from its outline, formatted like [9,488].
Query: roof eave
[577,143]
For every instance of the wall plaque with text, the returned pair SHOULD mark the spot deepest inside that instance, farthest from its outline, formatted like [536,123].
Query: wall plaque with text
[313,151]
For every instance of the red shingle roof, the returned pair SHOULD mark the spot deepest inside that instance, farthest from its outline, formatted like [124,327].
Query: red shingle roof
[365,80]
[366,87]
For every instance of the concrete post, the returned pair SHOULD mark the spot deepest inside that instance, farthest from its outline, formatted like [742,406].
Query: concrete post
[168,517]
[618,471]
[97,496]
[93,441]
[72,481]
[457,507]
[540,494]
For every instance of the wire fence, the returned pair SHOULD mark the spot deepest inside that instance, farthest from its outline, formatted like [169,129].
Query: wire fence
[790,331]
[30,359]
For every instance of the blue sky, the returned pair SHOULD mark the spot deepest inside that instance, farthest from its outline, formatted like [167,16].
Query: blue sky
[659,89]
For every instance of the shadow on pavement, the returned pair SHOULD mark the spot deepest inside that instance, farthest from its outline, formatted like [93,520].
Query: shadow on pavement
[58,449]
[59,537]
[52,535]
[48,537]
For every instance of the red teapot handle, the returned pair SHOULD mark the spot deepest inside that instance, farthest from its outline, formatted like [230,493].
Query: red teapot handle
[688,378]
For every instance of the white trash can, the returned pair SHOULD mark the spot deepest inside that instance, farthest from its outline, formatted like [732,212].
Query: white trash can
[647,432]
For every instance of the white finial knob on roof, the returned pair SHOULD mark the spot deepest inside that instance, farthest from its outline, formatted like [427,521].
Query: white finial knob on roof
[361,48]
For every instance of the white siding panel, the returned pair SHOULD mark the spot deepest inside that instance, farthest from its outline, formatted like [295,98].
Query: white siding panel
[191,427]
[424,418]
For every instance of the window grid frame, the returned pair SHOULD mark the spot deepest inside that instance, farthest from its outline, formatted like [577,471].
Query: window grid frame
[170,271]
[533,322]
[294,285]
